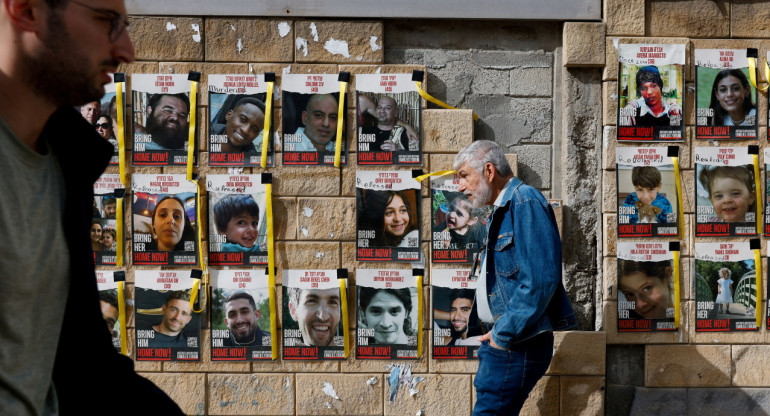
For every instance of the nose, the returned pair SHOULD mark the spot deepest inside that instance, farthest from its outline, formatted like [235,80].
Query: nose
[323,312]
[386,322]
[462,186]
[326,121]
[123,49]
[641,302]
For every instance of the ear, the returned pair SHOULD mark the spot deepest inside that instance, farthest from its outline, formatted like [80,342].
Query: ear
[293,311]
[149,110]
[489,172]
[304,118]
[258,313]
[228,115]
[473,220]
[26,15]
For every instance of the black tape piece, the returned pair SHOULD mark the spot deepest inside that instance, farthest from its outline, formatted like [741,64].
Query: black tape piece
[267,270]
[752,53]
[418,75]
[753,149]
[196,273]
[342,273]
[417,172]
[344,76]
[195,176]
[269,76]
[119,77]
[194,76]
[418,272]
[754,244]
[673,151]
[267,177]
[119,276]
[673,246]
[119,193]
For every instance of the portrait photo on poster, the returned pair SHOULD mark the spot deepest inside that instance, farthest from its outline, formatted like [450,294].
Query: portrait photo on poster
[108,304]
[388,120]
[726,198]
[161,119]
[309,119]
[237,220]
[103,115]
[725,287]
[104,225]
[167,328]
[163,216]
[312,315]
[458,229]
[240,316]
[767,193]
[650,92]
[456,329]
[237,111]
[726,102]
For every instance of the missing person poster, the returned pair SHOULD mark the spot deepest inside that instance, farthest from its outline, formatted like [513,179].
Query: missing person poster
[456,328]
[725,287]
[161,119]
[237,120]
[240,315]
[104,225]
[164,220]
[650,92]
[458,229]
[726,201]
[167,328]
[108,303]
[647,194]
[388,216]
[310,103]
[725,99]
[237,220]
[312,316]
[102,114]
[645,287]
[386,314]
[389,123]
[767,192]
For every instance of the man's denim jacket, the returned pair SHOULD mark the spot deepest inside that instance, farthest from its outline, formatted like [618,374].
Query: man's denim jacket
[524,287]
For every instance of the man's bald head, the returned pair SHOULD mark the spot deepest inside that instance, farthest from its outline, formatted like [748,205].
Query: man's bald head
[320,119]
[387,112]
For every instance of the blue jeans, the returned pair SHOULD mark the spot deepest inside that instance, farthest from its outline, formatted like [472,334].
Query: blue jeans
[505,377]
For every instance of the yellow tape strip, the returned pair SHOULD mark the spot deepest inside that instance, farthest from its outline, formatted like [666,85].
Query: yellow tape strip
[121,133]
[344,301]
[122,319]
[680,214]
[119,233]
[436,173]
[340,124]
[757,193]
[753,73]
[758,277]
[191,131]
[199,233]
[266,136]
[677,305]
[271,268]
[419,315]
[424,94]
[194,295]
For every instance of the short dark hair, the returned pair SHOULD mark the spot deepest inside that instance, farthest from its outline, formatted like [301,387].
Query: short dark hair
[177,295]
[461,293]
[231,205]
[108,297]
[250,100]
[649,73]
[241,295]
[646,176]
[155,98]
[365,295]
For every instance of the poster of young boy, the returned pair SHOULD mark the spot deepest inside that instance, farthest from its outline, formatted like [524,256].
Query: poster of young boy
[309,113]
[725,287]
[102,114]
[104,225]
[240,315]
[167,328]
[456,328]
[726,201]
[237,220]
[164,220]
[161,117]
[388,109]
[647,194]
[725,99]
[645,287]
[237,120]
[108,303]
[386,314]
[650,92]
[388,216]
[312,316]
[457,229]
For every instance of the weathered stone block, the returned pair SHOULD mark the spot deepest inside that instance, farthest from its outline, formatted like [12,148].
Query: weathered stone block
[205,364]
[544,399]
[624,17]
[252,394]
[167,39]
[609,144]
[535,163]
[687,366]
[297,181]
[610,235]
[625,365]
[747,359]
[285,218]
[354,395]
[531,82]
[446,130]
[339,41]
[729,401]
[578,353]
[582,395]
[205,68]
[583,44]
[188,390]
[246,40]
[668,402]
[308,255]
[610,94]
[688,190]
[438,394]
[609,191]
[326,218]
[749,19]
[618,400]
[696,18]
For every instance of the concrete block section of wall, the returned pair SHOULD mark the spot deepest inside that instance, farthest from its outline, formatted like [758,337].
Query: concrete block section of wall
[583,44]
[694,18]
[582,395]
[340,394]
[188,390]
[624,17]
[446,130]
[436,394]
[688,366]
[249,40]
[728,401]
[338,41]
[661,402]
[167,39]
[578,353]
[251,394]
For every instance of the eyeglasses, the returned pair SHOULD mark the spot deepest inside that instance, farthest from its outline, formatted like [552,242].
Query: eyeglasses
[118,22]
[102,125]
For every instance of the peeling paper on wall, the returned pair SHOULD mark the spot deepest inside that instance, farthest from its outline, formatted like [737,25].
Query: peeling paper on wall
[304,231]
[170,26]
[235,171]
[197,36]
[372,381]
[288,383]
[401,375]
[419,413]
[286,70]
[373,43]
[328,390]
[337,47]
[308,212]
[283,29]
[314,31]
[239,46]
[232,27]
[615,42]
[301,44]
[318,255]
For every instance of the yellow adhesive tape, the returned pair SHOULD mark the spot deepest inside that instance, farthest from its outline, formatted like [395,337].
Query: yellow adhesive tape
[122,319]
[345,328]
[121,133]
[340,124]
[191,131]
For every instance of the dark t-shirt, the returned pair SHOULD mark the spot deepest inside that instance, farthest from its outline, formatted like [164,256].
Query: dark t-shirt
[381,136]
[230,341]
